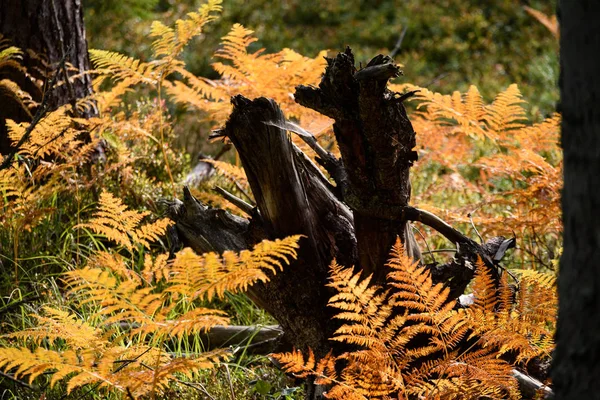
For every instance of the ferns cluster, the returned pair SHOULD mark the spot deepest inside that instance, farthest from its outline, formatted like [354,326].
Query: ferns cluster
[406,337]
[409,341]
[492,164]
[132,312]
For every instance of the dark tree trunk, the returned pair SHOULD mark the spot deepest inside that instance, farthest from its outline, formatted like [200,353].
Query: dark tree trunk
[48,31]
[576,367]
[356,221]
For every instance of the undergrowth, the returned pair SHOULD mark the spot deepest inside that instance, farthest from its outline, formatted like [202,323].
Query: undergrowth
[96,302]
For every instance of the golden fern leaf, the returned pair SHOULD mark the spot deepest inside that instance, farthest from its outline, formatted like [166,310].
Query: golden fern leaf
[120,301]
[525,328]
[130,301]
[155,270]
[49,136]
[383,324]
[426,303]
[484,289]
[165,40]
[170,42]
[146,381]
[343,392]
[506,112]
[235,44]
[10,52]
[60,325]
[69,362]
[467,111]
[481,372]
[112,97]
[209,275]
[251,74]
[123,226]
[20,198]
[363,308]
[188,323]
[294,363]
[121,67]
[11,57]
[544,279]
[10,90]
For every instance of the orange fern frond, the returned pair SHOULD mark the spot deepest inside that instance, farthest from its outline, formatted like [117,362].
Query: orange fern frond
[209,275]
[50,136]
[170,42]
[123,68]
[550,22]
[123,226]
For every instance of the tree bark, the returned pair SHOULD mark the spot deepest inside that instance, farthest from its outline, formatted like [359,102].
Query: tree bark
[47,31]
[575,366]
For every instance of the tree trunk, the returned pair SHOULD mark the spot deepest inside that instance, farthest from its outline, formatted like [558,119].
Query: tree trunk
[576,368]
[355,222]
[47,31]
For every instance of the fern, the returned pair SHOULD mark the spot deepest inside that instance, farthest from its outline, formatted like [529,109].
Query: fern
[209,275]
[133,312]
[88,352]
[489,158]
[123,226]
[53,134]
[170,42]
[406,339]
[251,74]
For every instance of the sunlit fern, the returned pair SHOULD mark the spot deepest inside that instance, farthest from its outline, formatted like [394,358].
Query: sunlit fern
[131,313]
[387,329]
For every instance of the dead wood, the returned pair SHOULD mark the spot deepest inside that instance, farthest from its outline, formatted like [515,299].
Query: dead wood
[355,219]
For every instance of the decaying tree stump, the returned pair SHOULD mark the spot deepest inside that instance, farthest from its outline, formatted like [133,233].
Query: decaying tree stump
[356,220]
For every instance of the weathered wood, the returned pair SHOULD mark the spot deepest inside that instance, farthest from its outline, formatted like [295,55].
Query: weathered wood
[376,141]
[355,222]
[292,197]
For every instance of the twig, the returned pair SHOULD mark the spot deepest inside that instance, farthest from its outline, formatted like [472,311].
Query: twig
[199,387]
[52,139]
[441,251]
[223,150]
[436,79]
[509,273]
[398,45]
[241,189]
[236,201]
[474,227]
[230,383]
[530,387]
[406,96]
[435,222]
[15,380]
[426,244]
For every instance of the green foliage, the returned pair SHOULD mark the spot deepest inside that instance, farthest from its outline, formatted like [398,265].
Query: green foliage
[448,43]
